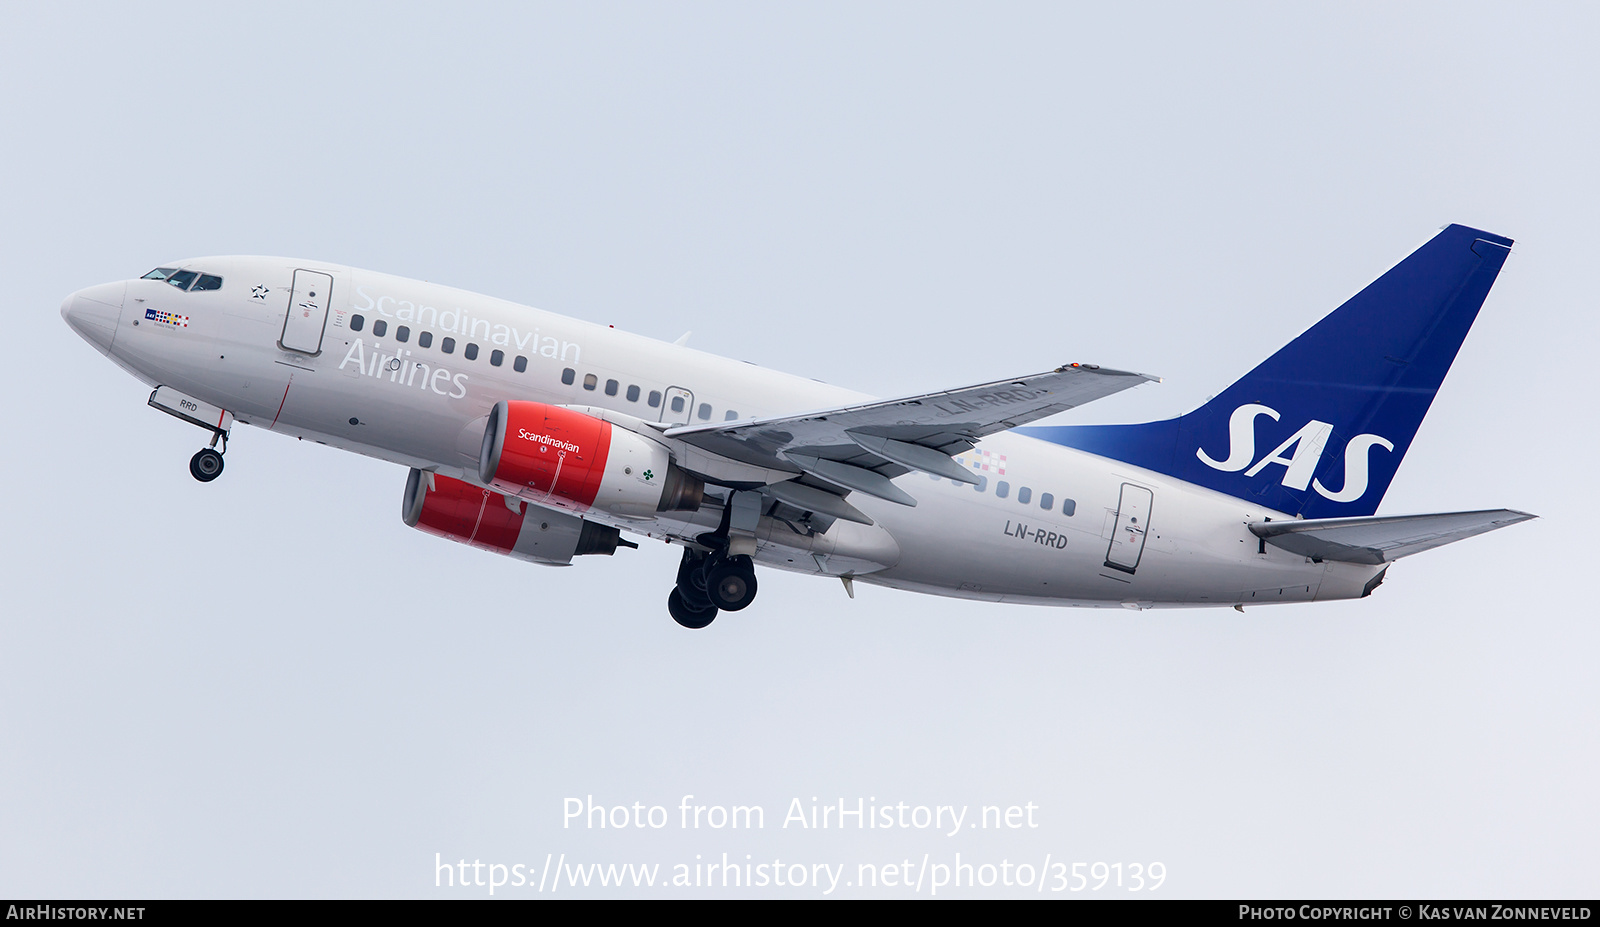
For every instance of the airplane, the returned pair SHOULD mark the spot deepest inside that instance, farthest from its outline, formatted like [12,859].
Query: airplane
[546,438]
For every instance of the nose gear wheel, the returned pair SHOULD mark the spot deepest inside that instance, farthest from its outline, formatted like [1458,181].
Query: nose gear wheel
[205,465]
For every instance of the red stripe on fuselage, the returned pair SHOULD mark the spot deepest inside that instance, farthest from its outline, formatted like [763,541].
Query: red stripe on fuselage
[281,402]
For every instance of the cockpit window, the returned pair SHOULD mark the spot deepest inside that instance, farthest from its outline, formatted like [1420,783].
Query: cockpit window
[192,281]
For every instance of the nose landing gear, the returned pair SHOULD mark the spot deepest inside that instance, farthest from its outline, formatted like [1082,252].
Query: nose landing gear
[205,465]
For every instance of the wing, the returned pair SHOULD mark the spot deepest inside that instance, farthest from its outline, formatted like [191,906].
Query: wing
[1380,538]
[861,448]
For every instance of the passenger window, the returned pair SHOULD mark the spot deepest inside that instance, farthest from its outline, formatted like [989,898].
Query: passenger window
[181,279]
[1024,494]
[705,411]
[1047,501]
[677,403]
[981,484]
[568,375]
[590,381]
[520,364]
[633,393]
[379,327]
[207,282]
[425,340]
[356,322]
[402,334]
[471,351]
[448,346]
[497,357]
[732,416]
[1068,507]
[1002,489]
[655,399]
[611,387]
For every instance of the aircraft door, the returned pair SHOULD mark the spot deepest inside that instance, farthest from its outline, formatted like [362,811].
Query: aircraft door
[677,404]
[1133,520]
[308,312]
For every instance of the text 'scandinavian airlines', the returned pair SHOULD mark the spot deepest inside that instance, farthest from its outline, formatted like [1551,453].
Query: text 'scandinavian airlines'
[545,438]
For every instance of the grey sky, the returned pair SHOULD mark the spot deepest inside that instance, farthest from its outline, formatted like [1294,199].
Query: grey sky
[268,686]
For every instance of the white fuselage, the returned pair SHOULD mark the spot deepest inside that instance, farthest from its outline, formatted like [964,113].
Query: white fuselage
[414,404]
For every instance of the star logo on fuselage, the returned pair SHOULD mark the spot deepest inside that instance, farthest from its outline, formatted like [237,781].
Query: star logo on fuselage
[260,292]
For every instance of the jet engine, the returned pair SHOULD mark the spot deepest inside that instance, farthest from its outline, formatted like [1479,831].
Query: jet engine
[490,520]
[560,457]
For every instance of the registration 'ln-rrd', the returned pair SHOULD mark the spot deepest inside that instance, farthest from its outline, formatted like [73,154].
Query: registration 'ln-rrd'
[546,438]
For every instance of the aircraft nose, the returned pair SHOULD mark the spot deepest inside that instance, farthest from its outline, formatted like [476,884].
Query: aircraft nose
[93,313]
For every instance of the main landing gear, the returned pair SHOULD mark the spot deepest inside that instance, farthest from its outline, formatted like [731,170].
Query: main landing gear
[708,583]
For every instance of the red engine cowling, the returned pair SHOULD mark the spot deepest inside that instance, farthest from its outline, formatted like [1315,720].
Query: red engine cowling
[560,457]
[489,520]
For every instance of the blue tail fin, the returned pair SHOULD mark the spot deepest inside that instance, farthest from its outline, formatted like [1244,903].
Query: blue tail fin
[1319,428]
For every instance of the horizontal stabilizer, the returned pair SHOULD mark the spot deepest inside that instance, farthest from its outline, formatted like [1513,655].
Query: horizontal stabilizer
[1380,538]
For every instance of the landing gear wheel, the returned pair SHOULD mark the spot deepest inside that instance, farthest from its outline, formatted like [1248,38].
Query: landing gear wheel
[700,576]
[691,618]
[205,465]
[731,585]
[691,573]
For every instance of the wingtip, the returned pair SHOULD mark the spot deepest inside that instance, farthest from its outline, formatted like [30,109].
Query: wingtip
[1107,371]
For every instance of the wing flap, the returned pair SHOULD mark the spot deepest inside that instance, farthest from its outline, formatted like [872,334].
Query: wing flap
[1381,538]
[849,477]
[812,499]
[914,456]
